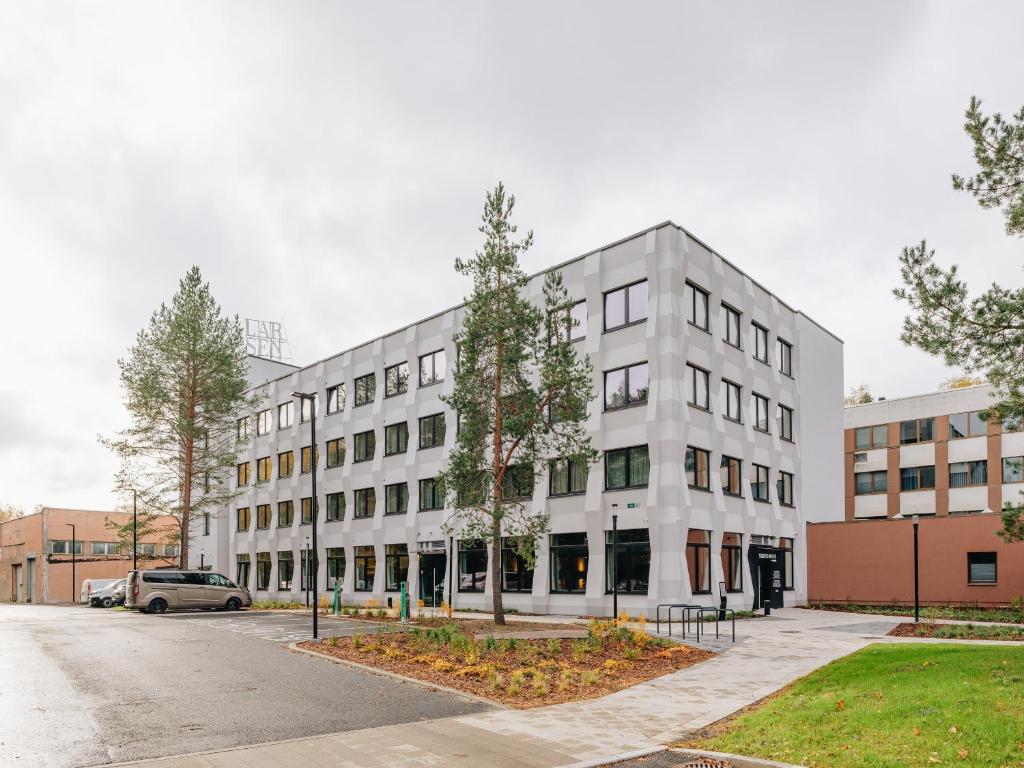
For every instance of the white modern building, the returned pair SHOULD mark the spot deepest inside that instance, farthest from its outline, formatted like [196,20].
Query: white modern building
[717,414]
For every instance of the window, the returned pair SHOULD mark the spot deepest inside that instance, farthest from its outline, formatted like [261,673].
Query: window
[696,301]
[365,446]
[1013,469]
[871,437]
[569,561]
[969,424]
[335,506]
[285,514]
[242,565]
[285,415]
[572,326]
[64,547]
[731,323]
[626,467]
[396,566]
[335,452]
[366,502]
[104,548]
[307,566]
[870,482]
[632,561]
[243,519]
[305,465]
[142,549]
[917,478]
[285,464]
[698,474]
[784,421]
[244,428]
[243,474]
[917,431]
[432,431]
[784,487]
[760,334]
[698,387]
[432,368]
[366,567]
[625,306]
[263,516]
[171,550]
[396,499]
[786,545]
[285,570]
[263,421]
[472,565]
[964,473]
[263,469]
[981,567]
[518,483]
[625,386]
[698,561]
[784,351]
[759,483]
[308,407]
[263,570]
[731,476]
[1013,423]
[515,575]
[566,477]
[335,398]
[335,567]
[396,438]
[732,561]
[366,389]
[307,510]
[729,395]
[396,380]
[431,494]
[760,403]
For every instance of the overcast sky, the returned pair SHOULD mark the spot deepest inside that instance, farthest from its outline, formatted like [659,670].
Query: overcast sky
[324,163]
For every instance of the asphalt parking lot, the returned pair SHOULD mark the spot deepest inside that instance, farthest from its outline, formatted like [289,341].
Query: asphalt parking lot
[82,686]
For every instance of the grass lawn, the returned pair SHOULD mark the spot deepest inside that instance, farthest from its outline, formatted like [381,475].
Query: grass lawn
[959,631]
[1006,615]
[891,705]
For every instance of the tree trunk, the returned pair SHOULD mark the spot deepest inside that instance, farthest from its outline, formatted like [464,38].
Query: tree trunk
[496,601]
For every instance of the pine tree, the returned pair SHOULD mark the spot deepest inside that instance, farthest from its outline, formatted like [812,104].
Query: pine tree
[185,385]
[520,394]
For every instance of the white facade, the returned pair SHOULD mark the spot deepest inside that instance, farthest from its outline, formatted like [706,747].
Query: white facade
[666,256]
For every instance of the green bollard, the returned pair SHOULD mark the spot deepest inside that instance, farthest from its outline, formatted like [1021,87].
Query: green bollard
[337,599]
[405,602]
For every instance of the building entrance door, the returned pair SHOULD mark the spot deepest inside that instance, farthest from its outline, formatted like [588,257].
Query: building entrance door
[19,585]
[766,573]
[431,579]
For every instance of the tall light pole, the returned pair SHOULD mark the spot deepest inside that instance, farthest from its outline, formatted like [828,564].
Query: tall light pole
[917,600]
[135,529]
[74,589]
[615,564]
[303,396]
[306,565]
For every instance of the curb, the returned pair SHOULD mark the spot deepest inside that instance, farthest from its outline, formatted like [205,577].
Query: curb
[395,676]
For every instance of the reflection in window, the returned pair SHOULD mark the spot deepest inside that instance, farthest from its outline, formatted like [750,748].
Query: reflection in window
[633,563]
[569,561]
[625,306]
[472,565]
[366,567]
[698,561]
[626,386]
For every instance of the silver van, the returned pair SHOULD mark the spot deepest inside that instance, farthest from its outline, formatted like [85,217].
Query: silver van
[159,590]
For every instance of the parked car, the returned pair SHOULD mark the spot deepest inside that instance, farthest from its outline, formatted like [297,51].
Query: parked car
[91,585]
[111,594]
[163,589]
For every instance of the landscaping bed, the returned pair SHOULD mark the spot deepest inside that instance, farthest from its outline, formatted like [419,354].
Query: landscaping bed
[958,631]
[889,706]
[1013,615]
[515,672]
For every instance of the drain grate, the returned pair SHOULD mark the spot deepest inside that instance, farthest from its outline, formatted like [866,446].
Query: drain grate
[708,762]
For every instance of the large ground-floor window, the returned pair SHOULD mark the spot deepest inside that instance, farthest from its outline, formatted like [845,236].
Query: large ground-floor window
[242,569]
[472,565]
[569,561]
[515,575]
[786,545]
[732,561]
[285,570]
[366,567]
[698,561]
[396,566]
[263,565]
[633,562]
[336,567]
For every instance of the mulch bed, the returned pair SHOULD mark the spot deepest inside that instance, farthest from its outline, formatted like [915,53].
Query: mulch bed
[957,631]
[518,673]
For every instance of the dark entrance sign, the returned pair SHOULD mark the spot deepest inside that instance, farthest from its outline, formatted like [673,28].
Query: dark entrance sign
[766,575]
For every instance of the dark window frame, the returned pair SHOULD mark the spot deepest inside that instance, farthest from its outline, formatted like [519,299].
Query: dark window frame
[287,506]
[434,378]
[569,550]
[471,549]
[731,556]
[264,470]
[361,499]
[335,447]
[972,557]
[285,458]
[627,549]
[401,503]
[697,292]
[874,475]
[369,567]
[698,547]
[784,353]
[335,507]
[265,512]
[696,453]
[780,487]
[365,389]
[435,494]
[239,528]
[691,375]
[756,482]
[917,440]
[758,331]
[728,463]
[336,404]
[919,475]
[570,465]
[512,562]
[434,419]
[366,447]
[628,450]
[784,422]
[729,387]
[731,312]
[757,400]
[625,307]
[401,429]
[971,473]
[401,387]
[629,401]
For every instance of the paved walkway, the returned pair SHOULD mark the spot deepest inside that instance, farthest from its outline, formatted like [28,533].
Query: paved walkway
[769,654]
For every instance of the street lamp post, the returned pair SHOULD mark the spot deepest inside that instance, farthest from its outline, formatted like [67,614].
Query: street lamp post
[917,600]
[135,529]
[303,396]
[615,564]
[307,566]
[74,590]
[202,559]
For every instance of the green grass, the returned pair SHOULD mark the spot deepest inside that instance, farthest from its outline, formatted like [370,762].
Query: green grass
[894,706]
[1006,615]
[972,632]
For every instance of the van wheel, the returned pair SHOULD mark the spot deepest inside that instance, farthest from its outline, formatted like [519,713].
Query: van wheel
[233,604]
[107,602]
[157,605]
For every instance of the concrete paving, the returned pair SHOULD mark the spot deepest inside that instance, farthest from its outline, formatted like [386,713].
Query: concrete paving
[769,654]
